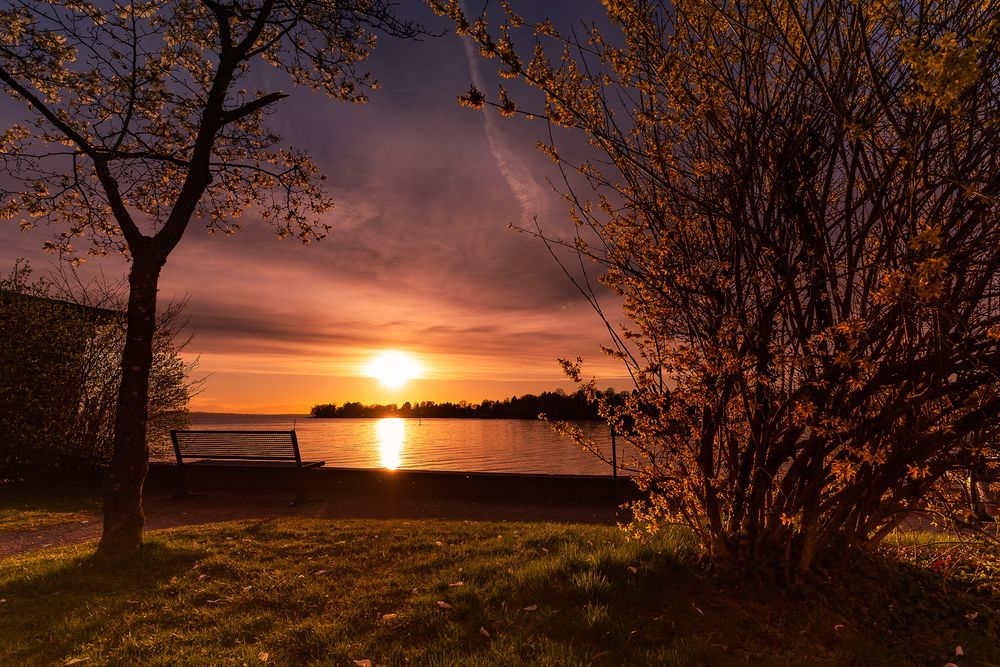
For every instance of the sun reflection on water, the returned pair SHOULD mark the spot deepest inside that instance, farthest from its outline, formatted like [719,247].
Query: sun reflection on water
[391,432]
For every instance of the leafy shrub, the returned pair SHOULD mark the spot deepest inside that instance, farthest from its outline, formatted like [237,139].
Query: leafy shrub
[60,372]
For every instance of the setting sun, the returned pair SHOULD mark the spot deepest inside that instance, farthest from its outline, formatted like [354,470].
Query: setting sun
[393,369]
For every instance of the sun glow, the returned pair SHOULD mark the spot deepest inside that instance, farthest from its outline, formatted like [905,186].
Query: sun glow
[393,369]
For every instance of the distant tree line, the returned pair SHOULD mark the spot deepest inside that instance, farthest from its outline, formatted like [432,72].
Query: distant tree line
[553,404]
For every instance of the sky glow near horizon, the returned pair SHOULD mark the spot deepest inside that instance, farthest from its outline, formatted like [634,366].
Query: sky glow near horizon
[420,258]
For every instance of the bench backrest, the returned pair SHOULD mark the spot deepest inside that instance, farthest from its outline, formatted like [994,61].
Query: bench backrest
[249,445]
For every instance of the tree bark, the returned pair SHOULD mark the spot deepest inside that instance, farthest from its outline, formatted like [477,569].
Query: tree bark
[123,512]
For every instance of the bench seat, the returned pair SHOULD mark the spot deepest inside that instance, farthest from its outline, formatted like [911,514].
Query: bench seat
[253,463]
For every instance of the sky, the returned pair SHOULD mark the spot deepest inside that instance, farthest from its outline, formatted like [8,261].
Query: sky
[420,258]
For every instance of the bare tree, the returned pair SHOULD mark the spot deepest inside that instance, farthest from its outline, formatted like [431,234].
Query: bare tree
[140,123]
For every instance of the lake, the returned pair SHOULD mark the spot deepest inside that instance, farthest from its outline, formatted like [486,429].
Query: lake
[467,445]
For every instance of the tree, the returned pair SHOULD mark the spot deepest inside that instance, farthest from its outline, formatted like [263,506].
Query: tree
[139,124]
[797,202]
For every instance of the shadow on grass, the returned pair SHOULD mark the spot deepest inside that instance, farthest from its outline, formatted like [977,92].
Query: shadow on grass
[55,606]
[24,507]
[917,612]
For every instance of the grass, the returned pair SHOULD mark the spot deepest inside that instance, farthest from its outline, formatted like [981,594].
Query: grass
[958,564]
[314,592]
[27,509]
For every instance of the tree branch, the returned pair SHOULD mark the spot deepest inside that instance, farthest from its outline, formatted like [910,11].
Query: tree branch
[49,115]
[251,107]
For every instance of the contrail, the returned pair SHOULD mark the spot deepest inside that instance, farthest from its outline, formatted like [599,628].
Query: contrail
[527,191]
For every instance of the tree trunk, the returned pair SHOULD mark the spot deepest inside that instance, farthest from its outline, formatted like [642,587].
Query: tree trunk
[123,515]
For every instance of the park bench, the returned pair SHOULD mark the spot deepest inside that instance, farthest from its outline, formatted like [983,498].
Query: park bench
[245,449]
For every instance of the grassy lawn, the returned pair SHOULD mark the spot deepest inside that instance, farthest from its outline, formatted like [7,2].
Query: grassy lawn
[293,592]
[27,509]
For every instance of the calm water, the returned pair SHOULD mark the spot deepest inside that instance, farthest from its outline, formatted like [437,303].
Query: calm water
[471,445]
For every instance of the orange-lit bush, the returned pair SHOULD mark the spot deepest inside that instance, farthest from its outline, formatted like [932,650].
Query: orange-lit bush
[796,202]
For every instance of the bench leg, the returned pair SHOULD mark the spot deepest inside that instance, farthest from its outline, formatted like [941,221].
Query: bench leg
[300,490]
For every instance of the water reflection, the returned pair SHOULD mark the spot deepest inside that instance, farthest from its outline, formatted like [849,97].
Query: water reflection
[390,432]
[482,445]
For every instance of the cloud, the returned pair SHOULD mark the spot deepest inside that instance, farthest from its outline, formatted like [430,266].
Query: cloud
[528,192]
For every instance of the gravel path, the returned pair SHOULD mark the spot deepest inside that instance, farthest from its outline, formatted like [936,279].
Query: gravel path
[165,512]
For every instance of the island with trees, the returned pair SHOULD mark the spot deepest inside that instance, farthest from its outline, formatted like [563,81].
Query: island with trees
[552,404]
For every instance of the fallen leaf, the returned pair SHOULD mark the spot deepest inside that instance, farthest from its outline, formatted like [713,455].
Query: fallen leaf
[319,572]
[74,661]
[971,616]
[697,610]
[389,617]
[301,576]
[457,583]
[838,627]
[363,663]
[132,601]
[201,577]
[958,651]
[414,591]
[531,607]
[443,605]
[599,656]
[544,550]
[950,664]
[439,543]
[484,632]
[633,569]
[246,588]
[263,656]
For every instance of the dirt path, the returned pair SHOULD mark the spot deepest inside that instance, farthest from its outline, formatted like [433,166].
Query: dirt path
[165,512]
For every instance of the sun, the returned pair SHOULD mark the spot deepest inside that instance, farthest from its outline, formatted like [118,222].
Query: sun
[393,369]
